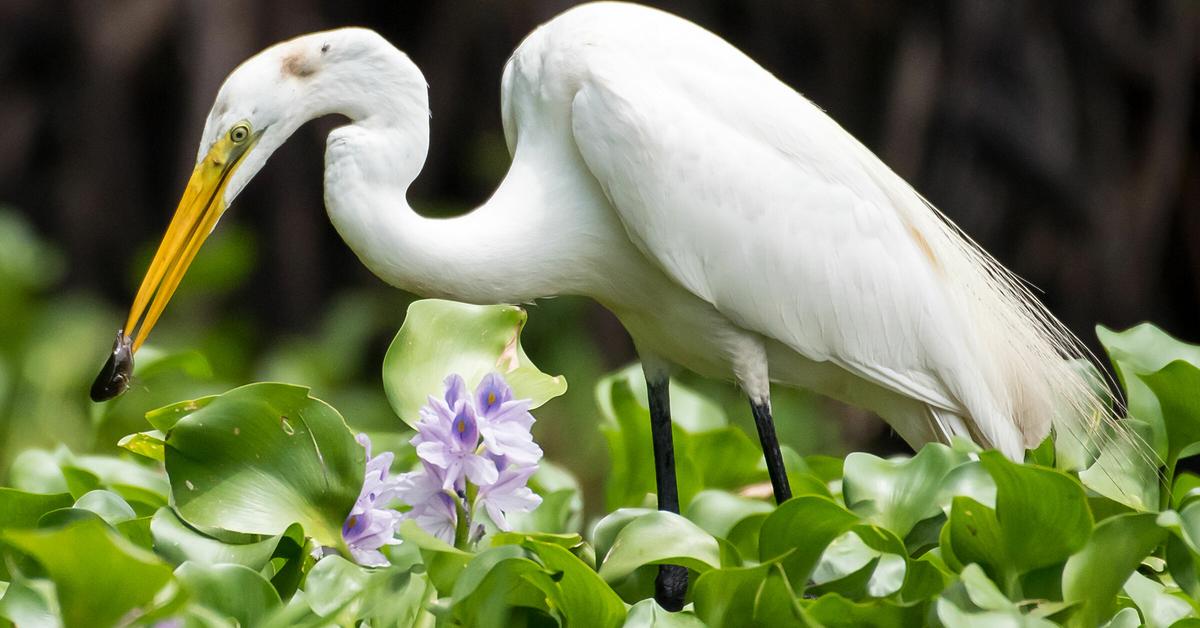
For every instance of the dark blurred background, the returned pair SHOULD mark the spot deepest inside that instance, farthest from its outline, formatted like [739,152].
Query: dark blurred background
[1062,135]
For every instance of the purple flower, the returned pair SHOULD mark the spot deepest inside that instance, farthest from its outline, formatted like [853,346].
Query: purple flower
[508,494]
[370,525]
[448,437]
[505,422]
[483,440]
[437,516]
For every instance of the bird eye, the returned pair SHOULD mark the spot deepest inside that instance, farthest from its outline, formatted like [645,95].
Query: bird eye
[239,133]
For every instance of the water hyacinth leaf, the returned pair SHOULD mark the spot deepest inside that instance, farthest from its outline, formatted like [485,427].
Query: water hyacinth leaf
[1043,513]
[579,593]
[1095,575]
[951,615]
[845,566]
[741,458]
[346,594]
[30,603]
[37,471]
[658,538]
[443,562]
[497,584]
[108,505]
[690,410]
[896,494]
[627,430]
[833,610]
[236,592]
[1184,489]
[88,592]
[1175,387]
[148,444]
[1122,472]
[332,584]
[726,597]
[1146,348]
[442,337]
[972,535]
[802,528]
[261,457]
[648,614]
[165,418]
[19,509]
[1159,607]
[177,543]
[719,512]
[605,532]
[1127,617]
[776,604]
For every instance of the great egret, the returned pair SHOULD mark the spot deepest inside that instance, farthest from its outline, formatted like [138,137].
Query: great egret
[733,228]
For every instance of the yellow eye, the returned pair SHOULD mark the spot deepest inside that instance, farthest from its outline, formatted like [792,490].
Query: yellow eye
[239,133]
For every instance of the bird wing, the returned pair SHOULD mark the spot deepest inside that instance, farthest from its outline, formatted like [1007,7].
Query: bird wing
[752,198]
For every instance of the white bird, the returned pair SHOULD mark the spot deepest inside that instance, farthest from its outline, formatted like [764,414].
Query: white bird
[733,227]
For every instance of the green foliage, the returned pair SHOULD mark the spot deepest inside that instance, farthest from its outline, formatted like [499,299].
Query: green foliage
[443,337]
[227,510]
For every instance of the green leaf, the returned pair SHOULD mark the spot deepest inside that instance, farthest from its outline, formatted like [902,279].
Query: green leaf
[19,509]
[439,338]
[726,597]
[177,543]
[87,589]
[1122,472]
[1095,575]
[1146,349]
[897,494]
[443,562]
[1158,606]
[1043,513]
[108,505]
[498,582]
[627,429]
[333,583]
[833,610]
[261,457]
[648,614]
[801,529]
[235,591]
[149,444]
[165,418]
[719,512]
[660,538]
[37,471]
[579,593]
[30,603]
[1176,386]
[1183,547]
[973,535]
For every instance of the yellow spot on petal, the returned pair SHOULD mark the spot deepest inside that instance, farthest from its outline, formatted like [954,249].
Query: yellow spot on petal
[491,398]
[462,426]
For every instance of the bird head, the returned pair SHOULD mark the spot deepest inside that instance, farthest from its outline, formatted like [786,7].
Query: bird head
[262,102]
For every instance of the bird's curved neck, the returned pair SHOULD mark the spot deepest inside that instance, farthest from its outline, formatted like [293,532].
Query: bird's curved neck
[488,255]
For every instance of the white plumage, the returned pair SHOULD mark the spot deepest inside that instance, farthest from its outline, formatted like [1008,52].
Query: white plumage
[733,227]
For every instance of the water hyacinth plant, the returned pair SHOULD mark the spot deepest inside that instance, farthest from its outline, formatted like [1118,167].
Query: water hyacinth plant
[371,525]
[477,454]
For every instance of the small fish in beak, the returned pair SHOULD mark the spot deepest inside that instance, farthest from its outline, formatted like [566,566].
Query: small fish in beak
[118,369]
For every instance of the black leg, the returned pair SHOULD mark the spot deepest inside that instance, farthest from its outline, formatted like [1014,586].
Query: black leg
[671,584]
[770,447]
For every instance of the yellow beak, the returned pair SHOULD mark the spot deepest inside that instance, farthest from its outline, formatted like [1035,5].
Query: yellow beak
[202,204]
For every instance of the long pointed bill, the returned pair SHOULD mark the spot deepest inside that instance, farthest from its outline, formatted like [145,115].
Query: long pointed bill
[202,204]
